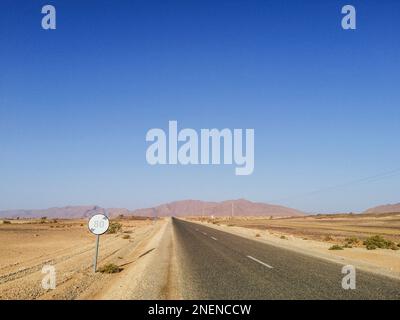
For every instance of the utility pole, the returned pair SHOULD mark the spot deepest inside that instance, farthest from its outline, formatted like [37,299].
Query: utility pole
[154,216]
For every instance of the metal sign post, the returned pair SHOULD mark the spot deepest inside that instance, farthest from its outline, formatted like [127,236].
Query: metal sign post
[96,253]
[98,225]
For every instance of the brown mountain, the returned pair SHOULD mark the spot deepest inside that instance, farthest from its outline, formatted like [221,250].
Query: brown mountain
[387,208]
[69,212]
[72,212]
[240,207]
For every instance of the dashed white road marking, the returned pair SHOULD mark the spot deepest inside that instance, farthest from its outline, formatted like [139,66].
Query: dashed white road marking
[256,260]
[214,238]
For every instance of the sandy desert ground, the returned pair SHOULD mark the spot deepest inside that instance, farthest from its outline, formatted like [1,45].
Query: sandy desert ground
[315,235]
[336,226]
[26,246]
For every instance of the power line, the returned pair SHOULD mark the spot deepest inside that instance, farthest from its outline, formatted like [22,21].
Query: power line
[376,177]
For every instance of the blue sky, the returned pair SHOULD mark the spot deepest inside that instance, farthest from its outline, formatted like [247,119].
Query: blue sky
[76,102]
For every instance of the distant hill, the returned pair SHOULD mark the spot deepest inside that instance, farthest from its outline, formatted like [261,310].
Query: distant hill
[387,208]
[241,207]
[72,212]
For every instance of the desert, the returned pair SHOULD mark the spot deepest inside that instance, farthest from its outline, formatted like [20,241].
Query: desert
[27,245]
[170,255]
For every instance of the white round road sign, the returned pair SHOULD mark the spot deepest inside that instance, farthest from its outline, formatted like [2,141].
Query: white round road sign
[98,224]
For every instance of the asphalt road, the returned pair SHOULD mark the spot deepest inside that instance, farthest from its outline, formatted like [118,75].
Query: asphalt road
[218,265]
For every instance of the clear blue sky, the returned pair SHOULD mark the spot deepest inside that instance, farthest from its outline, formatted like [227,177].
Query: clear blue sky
[76,103]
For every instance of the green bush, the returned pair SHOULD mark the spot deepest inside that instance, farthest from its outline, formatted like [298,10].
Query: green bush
[377,241]
[109,268]
[336,247]
[114,227]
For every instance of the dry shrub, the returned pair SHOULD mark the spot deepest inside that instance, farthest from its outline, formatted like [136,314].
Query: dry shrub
[109,268]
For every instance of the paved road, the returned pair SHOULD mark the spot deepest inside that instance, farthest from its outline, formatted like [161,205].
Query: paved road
[218,265]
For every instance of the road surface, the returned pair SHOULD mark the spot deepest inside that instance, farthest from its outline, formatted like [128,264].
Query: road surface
[218,265]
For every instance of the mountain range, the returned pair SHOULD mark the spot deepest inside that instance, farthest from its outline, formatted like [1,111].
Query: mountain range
[239,207]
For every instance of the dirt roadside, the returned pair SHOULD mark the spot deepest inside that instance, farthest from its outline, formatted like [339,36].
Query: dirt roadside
[69,248]
[152,273]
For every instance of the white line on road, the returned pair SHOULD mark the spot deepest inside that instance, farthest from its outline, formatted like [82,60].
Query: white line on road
[256,260]
[214,238]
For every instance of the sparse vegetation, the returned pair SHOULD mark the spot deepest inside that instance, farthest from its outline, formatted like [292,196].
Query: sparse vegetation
[114,227]
[109,268]
[378,241]
[352,241]
[6,222]
[258,235]
[283,237]
[336,247]
[328,238]
[126,236]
